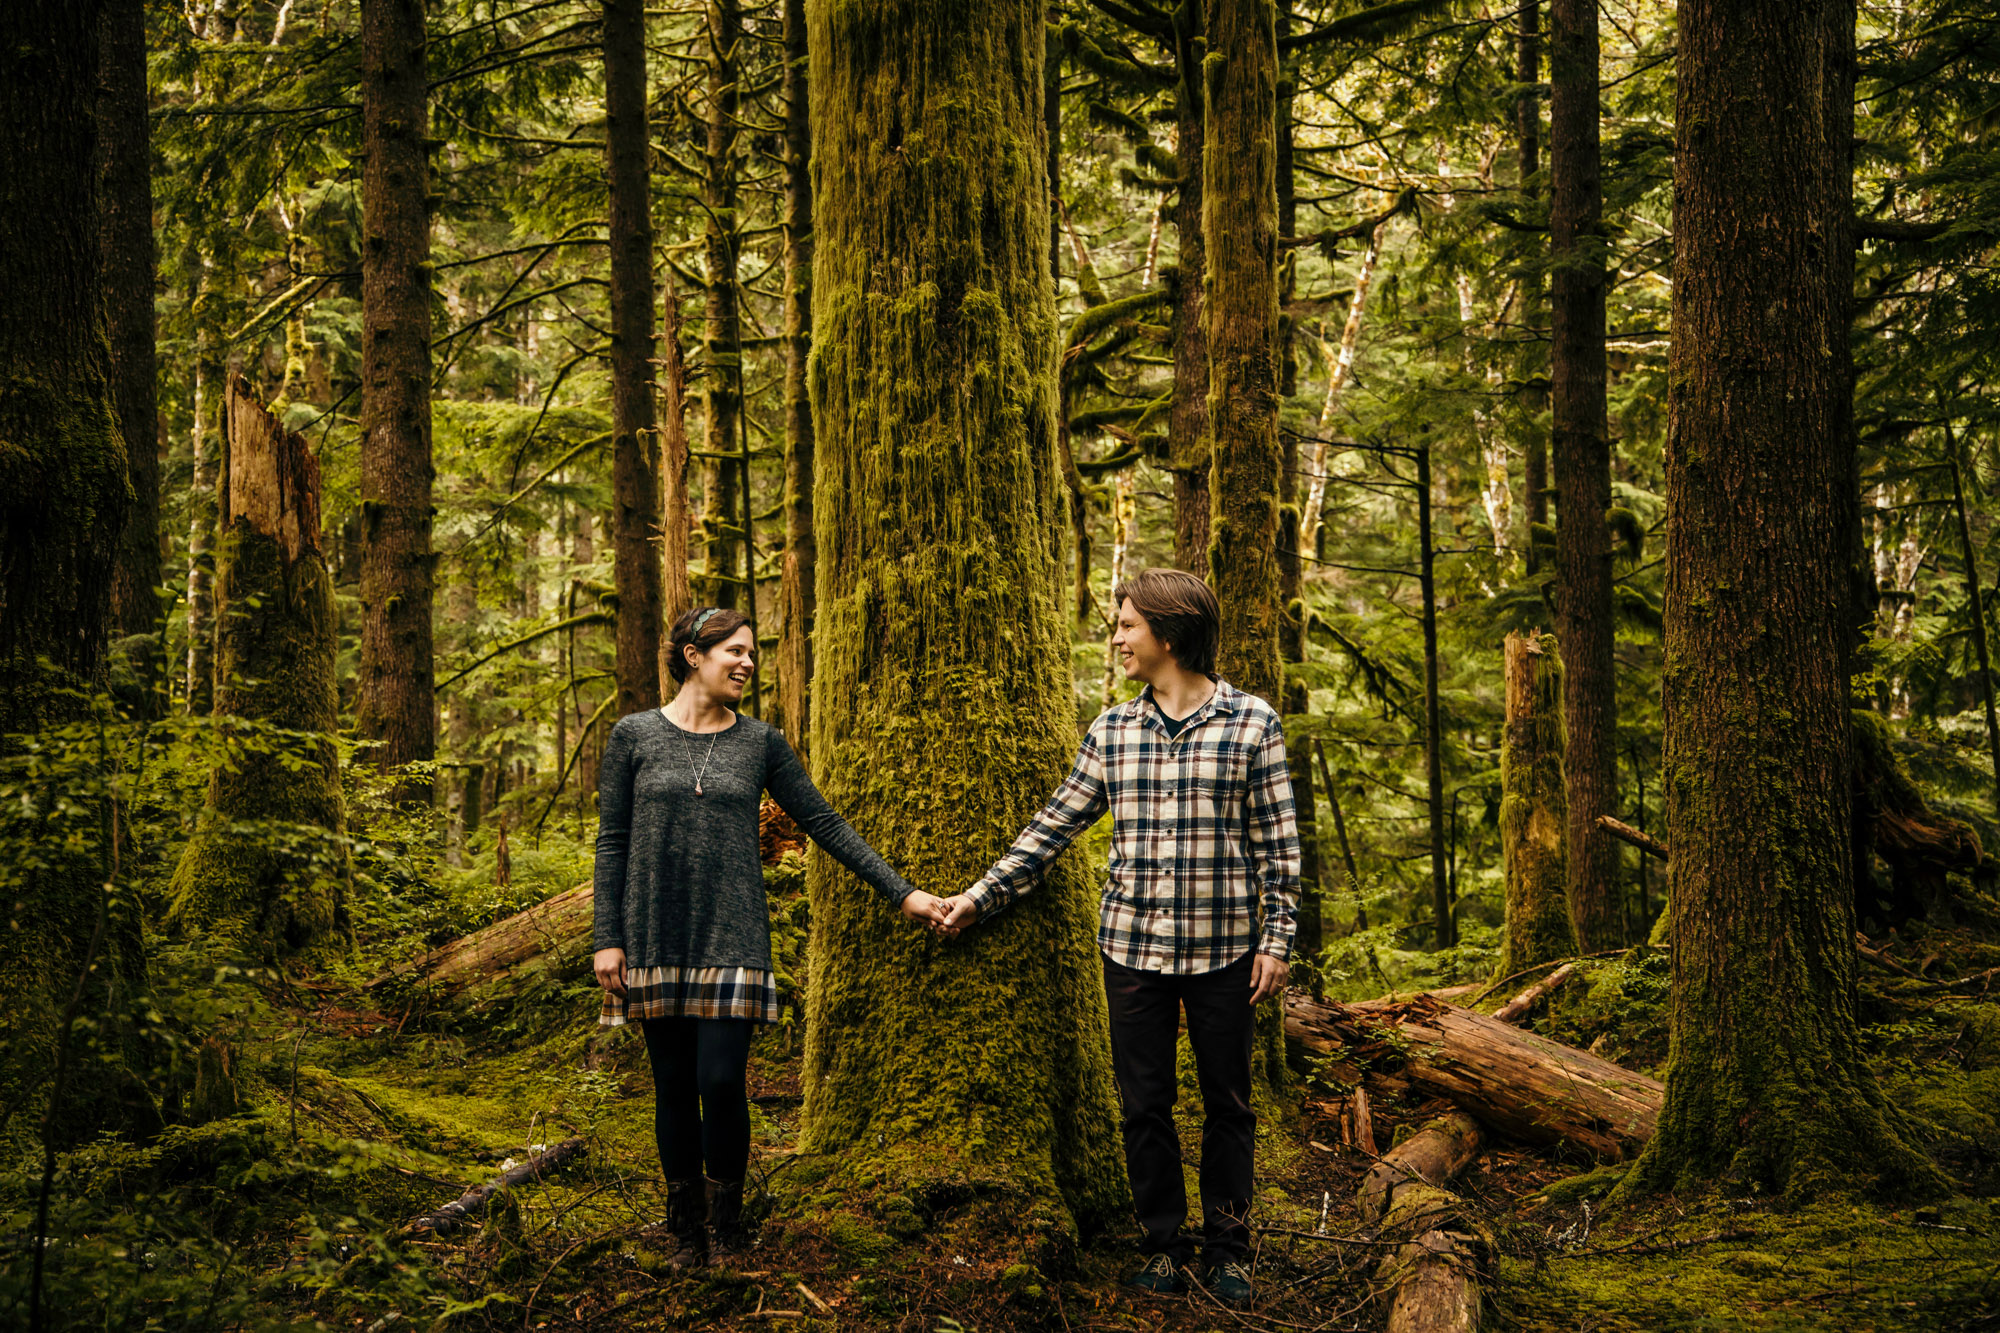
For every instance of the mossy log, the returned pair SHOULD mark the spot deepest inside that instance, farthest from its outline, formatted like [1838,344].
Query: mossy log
[265,867]
[1524,1086]
[1432,1155]
[443,1221]
[1431,1281]
[555,928]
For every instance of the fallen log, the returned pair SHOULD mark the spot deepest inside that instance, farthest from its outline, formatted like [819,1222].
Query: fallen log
[1432,1155]
[558,923]
[1517,1008]
[1431,1281]
[443,1221]
[1522,1085]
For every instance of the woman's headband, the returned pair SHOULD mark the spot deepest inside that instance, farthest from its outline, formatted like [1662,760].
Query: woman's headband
[702,619]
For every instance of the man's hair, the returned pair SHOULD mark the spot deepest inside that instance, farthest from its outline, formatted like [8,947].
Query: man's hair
[1181,611]
[700,628]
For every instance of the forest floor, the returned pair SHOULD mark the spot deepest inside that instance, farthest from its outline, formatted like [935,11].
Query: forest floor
[435,1106]
[362,1108]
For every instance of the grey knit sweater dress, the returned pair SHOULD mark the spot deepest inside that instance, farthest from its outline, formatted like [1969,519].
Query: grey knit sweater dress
[678,883]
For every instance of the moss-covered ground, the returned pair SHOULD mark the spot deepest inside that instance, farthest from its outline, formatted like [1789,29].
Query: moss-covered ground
[364,1107]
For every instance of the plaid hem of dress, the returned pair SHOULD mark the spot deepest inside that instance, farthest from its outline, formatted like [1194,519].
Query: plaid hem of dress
[693,992]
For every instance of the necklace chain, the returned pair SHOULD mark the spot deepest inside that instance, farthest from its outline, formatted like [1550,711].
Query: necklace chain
[688,747]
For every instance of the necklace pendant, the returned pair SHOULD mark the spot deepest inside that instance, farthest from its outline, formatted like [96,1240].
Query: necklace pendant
[697,789]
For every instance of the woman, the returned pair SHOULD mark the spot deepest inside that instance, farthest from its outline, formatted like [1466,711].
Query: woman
[682,930]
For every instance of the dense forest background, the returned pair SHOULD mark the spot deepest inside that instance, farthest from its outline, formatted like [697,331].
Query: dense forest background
[1474,275]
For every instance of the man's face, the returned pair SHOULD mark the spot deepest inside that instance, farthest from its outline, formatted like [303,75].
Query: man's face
[1142,655]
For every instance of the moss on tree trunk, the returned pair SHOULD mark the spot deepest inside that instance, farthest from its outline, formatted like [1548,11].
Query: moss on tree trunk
[64,496]
[1187,418]
[1532,811]
[257,872]
[1766,1086]
[943,713]
[797,593]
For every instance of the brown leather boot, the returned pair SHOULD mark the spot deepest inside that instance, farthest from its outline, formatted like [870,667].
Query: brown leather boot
[726,1233]
[687,1217]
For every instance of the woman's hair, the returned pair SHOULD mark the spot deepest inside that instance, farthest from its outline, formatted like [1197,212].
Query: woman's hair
[1181,611]
[700,628]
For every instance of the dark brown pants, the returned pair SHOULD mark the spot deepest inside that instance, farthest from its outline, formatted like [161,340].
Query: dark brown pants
[1221,1024]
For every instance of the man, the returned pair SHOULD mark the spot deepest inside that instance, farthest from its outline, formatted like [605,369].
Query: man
[1203,837]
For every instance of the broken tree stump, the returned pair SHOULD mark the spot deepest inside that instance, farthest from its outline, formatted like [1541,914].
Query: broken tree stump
[266,867]
[1517,1083]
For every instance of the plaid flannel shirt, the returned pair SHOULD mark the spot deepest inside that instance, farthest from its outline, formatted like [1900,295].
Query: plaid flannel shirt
[1202,834]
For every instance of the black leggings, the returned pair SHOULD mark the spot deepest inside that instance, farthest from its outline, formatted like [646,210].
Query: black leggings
[701,1114]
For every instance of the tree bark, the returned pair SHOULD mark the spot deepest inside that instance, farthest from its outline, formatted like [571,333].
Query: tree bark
[1527,1087]
[722,333]
[65,490]
[798,597]
[1187,418]
[1442,908]
[1534,356]
[396,705]
[635,460]
[1583,470]
[1532,814]
[270,889]
[1431,1156]
[1311,933]
[1239,192]
[125,240]
[1520,1006]
[206,445]
[938,475]
[1766,1084]
[676,518]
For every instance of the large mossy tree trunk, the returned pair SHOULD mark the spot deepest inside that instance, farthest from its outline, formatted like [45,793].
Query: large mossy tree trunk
[635,464]
[1582,470]
[125,240]
[943,714]
[1187,417]
[723,503]
[64,495]
[1534,356]
[396,703]
[1766,1086]
[265,870]
[798,596]
[1532,813]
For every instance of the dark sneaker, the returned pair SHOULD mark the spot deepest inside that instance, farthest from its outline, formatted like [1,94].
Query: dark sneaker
[1228,1282]
[1158,1277]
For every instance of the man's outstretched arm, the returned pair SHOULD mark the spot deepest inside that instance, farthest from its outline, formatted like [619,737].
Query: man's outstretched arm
[1074,807]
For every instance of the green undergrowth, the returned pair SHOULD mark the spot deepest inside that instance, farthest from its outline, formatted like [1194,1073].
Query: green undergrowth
[1730,1264]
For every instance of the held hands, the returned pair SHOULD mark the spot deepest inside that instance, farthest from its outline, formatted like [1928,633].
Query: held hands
[609,964]
[1267,977]
[944,916]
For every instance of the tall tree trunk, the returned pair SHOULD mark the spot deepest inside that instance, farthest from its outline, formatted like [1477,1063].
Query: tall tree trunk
[676,518]
[1969,555]
[275,652]
[1765,1084]
[1298,702]
[64,493]
[1339,366]
[125,240]
[1442,908]
[938,474]
[1534,357]
[798,597]
[397,705]
[1583,471]
[722,334]
[635,461]
[1288,265]
[1187,419]
[1532,818]
[206,444]
[1240,231]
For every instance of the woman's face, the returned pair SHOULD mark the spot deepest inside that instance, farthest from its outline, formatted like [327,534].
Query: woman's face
[724,670]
